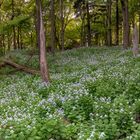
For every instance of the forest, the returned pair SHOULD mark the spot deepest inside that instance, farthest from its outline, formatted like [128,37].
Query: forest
[69,69]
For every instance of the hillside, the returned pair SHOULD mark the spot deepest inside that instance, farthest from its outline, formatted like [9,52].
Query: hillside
[94,94]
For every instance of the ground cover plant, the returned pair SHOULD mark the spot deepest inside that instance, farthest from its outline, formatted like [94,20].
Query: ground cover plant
[94,94]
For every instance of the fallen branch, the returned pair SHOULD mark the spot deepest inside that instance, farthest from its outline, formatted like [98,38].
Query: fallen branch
[2,65]
[21,67]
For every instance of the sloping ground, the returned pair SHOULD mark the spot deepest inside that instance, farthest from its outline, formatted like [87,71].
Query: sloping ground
[94,94]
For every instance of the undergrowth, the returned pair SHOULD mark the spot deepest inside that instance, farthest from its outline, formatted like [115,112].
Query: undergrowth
[94,94]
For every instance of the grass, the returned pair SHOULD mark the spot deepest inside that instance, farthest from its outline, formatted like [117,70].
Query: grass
[94,94]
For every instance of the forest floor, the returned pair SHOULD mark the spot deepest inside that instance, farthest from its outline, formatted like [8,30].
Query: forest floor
[94,94]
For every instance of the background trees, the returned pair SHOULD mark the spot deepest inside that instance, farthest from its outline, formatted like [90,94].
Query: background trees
[68,24]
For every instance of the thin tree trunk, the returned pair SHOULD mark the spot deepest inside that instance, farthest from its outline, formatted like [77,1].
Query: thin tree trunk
[14,31]
[109,36]
[36,18]
[135,40]
[18,38]
[105,34]
[3,44]
[53,41]
[21,41]
[88,25]
[139,28]
[31,39]
[41,44]
[83,31]
[9,41]
[62,24]
[117,23]
[125,13]
[0,35]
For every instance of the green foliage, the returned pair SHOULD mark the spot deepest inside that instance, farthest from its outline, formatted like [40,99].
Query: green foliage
[94,95]
[17,21]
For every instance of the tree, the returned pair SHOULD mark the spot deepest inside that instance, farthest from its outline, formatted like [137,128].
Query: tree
[135,40]
[62,23]
[53,41]
[109,35]
[14,31]
[125,15]
[41,43]
[83,7]
[117,22]
[88,24]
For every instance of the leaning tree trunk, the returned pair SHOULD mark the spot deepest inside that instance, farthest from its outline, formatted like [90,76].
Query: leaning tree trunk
[42,43]
[125,13]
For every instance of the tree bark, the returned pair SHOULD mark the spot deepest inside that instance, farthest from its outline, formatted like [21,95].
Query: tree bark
[3,44]
[109,35]
[125,13]
[9,41]
[21,40]
[62,24]
[88,25]
[139,28]
[42,43]
[117,23]
[83,31]
[0,34]
[18,38]
[135,40]
[19,67]
[53,41]
[14,31]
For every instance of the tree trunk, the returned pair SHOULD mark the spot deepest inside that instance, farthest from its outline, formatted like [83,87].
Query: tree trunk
[14,31]
[3,44]
[53,41]
[36,18]
[109,36]
[139,28]
[18,38]
[117,23]
[88,25]
[0,34]
[135,40]
[32,41]
[21,40]
[125,13]
[19,67]
[83,32]
[9,41]
[41,43]
[62,24]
